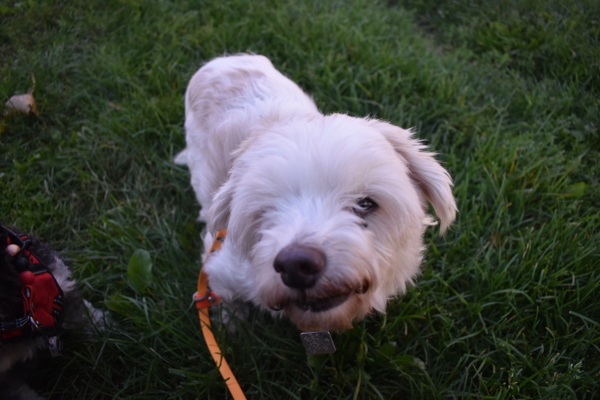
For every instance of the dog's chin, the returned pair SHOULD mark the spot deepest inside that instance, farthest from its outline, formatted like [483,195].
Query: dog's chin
[324,307]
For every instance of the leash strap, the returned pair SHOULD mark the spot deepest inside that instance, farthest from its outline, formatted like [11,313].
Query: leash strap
[203,299]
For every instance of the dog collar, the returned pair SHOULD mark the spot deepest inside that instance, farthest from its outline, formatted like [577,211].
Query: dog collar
[204,297]
[41,293]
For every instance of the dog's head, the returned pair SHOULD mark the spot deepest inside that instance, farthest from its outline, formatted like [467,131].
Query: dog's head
[326,217]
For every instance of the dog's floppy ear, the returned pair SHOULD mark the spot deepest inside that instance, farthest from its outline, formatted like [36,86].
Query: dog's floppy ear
[220,209]
[431,178]
[219,212]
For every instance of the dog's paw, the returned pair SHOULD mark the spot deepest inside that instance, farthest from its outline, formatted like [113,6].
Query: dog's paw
[24,392]
[99,319]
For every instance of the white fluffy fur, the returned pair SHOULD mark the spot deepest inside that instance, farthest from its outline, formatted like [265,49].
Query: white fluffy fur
[269,167]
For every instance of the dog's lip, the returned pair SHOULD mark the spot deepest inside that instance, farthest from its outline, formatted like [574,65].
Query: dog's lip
[321,304]
[316,305]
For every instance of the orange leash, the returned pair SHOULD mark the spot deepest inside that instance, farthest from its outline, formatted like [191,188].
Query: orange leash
[203,299]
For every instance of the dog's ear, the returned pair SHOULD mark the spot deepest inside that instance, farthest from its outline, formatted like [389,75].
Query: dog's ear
[430,177]
[220,209]
[219,212]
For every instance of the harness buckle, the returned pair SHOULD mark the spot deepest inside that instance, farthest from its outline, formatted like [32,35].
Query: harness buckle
[34,324]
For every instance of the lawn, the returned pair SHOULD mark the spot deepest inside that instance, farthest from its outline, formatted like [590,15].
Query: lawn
[507,92]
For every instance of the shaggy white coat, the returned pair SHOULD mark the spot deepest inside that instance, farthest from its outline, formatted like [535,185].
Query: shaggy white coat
[273,170]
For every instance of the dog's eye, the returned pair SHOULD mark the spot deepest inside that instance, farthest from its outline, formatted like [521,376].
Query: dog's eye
[365,206]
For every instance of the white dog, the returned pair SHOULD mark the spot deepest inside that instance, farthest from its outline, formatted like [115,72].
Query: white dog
[325,213]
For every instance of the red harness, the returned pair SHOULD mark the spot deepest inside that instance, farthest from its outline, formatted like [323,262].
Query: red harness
[42,296]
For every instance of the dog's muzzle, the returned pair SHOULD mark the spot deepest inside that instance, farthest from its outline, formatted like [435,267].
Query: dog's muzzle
[301,268]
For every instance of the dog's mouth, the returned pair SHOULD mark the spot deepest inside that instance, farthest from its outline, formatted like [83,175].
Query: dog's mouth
[321,304]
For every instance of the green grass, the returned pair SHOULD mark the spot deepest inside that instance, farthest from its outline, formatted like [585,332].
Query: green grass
[508,306]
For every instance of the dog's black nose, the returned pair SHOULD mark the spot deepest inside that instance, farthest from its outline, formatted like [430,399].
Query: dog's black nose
[300,266]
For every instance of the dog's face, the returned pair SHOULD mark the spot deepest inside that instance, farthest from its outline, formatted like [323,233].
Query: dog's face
[327,215]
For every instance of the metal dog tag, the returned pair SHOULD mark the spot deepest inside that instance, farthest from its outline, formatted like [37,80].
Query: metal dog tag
[318,342]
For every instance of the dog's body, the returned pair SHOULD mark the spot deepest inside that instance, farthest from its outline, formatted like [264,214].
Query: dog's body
[325,214]
[16,352]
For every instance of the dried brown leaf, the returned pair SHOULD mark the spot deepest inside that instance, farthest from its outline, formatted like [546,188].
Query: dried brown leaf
[22,103]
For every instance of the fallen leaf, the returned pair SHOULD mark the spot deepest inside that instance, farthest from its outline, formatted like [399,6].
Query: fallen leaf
[22,103]
[139,271]
[576,190]
[115,106]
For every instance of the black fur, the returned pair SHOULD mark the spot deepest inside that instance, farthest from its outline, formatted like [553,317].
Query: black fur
[17,353]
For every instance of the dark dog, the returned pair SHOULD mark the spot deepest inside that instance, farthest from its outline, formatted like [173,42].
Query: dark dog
[38,303]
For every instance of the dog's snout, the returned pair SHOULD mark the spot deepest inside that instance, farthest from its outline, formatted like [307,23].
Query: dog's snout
[300,267]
